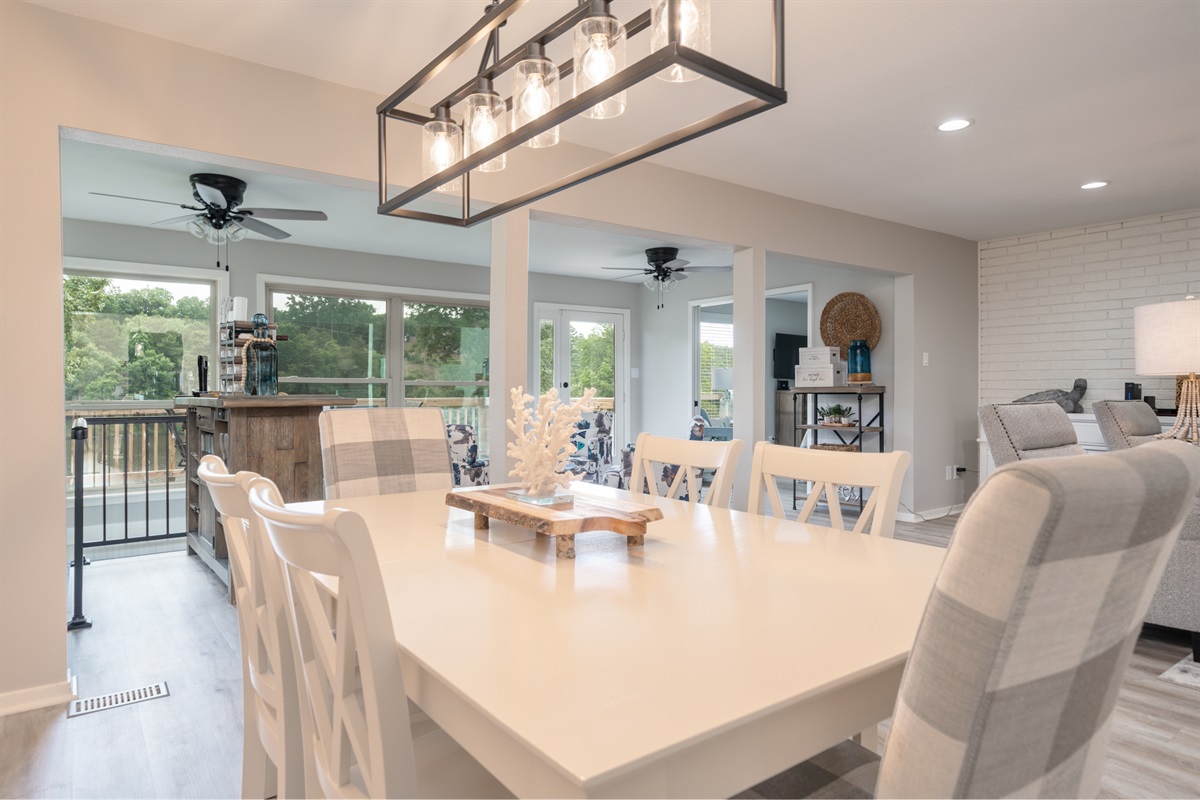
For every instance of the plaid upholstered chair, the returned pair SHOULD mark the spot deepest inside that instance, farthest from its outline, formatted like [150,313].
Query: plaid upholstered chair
[1010,686]
[1176,604]
[373,451]
[1024,431]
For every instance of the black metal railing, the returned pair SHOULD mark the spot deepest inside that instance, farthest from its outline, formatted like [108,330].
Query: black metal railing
[133,477]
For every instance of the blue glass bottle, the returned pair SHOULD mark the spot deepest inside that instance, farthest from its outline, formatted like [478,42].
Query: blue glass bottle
[262,361]
[858,366]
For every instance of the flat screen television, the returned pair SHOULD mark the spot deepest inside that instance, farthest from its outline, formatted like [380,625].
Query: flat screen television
[787,355]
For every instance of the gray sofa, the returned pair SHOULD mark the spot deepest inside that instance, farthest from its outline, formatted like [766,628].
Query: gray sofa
[1128,423]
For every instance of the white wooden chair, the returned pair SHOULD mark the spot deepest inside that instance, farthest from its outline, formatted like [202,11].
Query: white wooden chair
[881,472]
[272,750]
[358,739]
[691,457]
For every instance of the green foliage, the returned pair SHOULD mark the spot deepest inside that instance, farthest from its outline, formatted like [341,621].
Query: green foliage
[331,337]
[546,359]
[80,295]
[138,343]
[593,361]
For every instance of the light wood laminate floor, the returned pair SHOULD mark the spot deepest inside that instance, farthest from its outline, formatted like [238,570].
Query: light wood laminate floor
[164,617]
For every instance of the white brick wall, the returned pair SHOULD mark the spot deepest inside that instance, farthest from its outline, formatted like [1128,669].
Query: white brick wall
[1058,306]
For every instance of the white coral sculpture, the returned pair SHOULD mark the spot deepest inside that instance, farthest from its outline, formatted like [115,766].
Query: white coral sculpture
[541,451]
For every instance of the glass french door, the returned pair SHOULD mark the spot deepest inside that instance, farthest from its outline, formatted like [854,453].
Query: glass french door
[580,349]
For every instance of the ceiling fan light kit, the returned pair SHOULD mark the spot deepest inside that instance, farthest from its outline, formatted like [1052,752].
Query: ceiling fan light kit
[680,46]
[220,217]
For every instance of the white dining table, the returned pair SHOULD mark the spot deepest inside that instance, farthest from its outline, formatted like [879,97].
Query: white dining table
[727,648]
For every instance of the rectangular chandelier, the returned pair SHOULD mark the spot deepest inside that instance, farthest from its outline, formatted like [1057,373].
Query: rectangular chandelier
[482,134]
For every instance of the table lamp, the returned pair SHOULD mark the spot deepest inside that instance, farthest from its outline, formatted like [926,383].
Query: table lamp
[1166,341]
[722,381]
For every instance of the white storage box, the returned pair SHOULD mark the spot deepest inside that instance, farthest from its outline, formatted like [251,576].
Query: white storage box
[827,375]
[817,356]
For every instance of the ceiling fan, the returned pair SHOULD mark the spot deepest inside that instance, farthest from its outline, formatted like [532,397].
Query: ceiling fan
[666,269]
[220,217]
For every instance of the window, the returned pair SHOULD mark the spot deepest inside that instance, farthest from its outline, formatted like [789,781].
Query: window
[716,352]
[133,338]
[386,350]
[334,345]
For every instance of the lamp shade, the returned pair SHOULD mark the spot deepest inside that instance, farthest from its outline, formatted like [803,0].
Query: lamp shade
[722,379]
[1166,338]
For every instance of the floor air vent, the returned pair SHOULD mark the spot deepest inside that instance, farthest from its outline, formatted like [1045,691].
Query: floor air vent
[87,705]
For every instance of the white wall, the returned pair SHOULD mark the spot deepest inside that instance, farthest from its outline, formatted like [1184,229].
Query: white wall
[1058,306]
[96,77]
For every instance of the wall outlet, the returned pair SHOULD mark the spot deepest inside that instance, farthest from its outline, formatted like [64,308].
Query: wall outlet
[952,473]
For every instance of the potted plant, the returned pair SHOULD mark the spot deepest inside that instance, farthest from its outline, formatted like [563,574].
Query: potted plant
[836,414]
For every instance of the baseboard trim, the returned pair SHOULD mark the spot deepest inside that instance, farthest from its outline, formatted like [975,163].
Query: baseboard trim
[50,694]
[930,514]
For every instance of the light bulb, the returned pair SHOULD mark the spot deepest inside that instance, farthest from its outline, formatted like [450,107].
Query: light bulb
[196,228]
[599,64]
[536,99]
[483,126]
[235,232]
[441,152]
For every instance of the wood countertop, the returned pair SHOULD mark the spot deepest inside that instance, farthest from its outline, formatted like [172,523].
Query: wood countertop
[260,401]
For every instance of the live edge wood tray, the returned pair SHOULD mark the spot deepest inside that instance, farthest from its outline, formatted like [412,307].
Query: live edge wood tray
[562,522]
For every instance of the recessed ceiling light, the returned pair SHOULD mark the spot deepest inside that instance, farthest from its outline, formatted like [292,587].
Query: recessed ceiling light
[1094,185]
[951,125]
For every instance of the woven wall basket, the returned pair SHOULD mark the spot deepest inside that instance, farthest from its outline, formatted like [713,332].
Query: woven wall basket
[847,317]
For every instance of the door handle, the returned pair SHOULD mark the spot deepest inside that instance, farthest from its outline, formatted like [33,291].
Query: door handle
[565,385]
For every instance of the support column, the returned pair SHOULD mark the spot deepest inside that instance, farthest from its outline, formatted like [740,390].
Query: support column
[749,361]
[508,352]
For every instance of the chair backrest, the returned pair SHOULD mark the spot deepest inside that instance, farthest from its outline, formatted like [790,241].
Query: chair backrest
[357,731]
[262,621]
[373,451]
[1023,431]
[1010,686]
[883,473]
[1125,423]
[653,454]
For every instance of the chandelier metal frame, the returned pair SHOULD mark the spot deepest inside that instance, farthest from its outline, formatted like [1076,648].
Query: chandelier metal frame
[763,96]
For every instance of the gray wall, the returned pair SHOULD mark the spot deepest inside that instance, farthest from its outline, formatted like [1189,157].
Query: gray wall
[783,316]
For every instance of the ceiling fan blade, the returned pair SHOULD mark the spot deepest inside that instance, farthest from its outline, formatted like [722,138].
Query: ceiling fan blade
[679,275]
[143,199]
[173,220]
[250,223]
[284,213]
[678,263]
[631,269]
[211,196]
[705,269]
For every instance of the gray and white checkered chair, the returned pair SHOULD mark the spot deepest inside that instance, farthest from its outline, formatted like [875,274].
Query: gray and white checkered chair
[374,451]
[1011,683]
[1176,604]
[1024,431]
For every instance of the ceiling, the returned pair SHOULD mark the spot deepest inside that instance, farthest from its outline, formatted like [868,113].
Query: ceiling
[1061,92]
[161,174]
